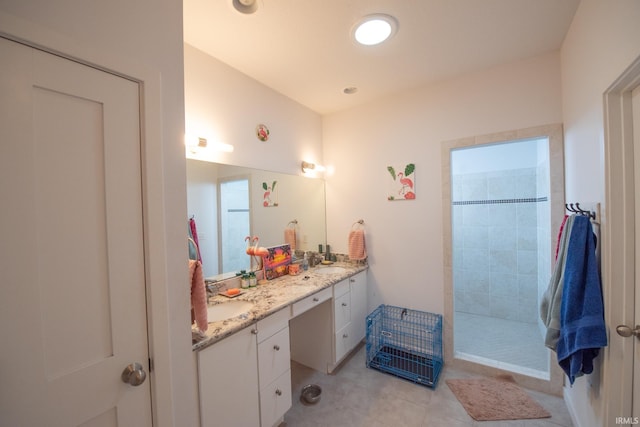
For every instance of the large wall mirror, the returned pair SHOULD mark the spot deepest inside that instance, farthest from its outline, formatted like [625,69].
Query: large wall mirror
[229,203]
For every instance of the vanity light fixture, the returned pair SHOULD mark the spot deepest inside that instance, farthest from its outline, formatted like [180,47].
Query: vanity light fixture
[196,144]
[245,6]
[374,29]
[311,167]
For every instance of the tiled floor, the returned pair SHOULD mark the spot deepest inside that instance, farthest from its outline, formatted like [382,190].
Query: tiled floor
[506,342]
[356,396]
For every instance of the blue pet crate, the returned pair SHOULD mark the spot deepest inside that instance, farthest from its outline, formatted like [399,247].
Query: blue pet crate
[405,343]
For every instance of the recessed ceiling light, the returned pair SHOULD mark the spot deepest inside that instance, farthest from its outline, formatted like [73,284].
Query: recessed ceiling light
[374,29]
[245,6]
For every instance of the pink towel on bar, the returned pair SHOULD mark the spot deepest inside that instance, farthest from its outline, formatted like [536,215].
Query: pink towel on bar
[290,237]
[198,295]
[357,250]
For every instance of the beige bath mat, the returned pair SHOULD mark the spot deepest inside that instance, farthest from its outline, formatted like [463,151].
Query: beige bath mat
[490,399]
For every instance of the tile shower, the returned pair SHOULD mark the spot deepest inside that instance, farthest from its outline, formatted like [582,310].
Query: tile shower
[500,211]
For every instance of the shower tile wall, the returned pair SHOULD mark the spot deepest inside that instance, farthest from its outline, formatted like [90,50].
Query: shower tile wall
[495,244]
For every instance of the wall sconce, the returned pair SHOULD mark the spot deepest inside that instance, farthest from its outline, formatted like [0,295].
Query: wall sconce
[197,144]
[308,167]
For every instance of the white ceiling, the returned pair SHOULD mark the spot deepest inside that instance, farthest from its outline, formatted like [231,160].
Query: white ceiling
[302,48]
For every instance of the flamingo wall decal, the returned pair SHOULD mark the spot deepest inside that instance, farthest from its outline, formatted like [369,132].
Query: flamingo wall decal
[403,183]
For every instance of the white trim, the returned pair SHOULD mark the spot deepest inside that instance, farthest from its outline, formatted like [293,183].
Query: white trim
[556,197]
[571,407]
[618,241]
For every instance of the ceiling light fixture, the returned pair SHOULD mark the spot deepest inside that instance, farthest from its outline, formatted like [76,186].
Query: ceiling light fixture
[245,6]
[374,29]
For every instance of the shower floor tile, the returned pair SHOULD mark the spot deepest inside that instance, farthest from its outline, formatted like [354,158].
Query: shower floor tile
[506,342]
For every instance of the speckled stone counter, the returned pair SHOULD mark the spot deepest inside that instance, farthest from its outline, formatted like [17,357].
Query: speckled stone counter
[273,296]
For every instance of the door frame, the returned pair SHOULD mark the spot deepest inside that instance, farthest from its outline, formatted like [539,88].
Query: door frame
[556,198]
[618,240]
[169,339]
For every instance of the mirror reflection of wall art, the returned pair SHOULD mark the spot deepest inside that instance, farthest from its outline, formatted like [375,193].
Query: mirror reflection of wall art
[402,183]
[262,132]
[270,195]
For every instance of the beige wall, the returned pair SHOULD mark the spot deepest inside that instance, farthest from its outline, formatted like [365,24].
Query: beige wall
[227,105]
[143,40]
[604,39]
[404,238]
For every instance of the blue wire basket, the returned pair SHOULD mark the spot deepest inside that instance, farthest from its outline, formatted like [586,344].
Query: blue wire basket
[405,343]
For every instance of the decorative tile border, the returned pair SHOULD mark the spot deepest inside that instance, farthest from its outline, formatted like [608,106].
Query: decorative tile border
[499,201]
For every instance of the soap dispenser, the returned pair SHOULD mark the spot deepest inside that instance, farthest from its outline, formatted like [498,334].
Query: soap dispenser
[305,262]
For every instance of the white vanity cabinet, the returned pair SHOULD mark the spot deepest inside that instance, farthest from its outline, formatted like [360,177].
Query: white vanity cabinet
[349,314]
[228,381]
[322,337]
[359,307]
[274,368]
[245,379]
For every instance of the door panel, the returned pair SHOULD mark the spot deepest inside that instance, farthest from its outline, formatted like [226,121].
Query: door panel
[72,299]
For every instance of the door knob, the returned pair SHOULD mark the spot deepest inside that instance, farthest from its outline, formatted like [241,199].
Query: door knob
[625,331]
[134,374]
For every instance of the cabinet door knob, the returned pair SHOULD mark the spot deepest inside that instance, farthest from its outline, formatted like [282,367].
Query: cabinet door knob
[344,304]
[352,280]
[278,392]
[276,347]
[345,336]
[315,299]
[254,331]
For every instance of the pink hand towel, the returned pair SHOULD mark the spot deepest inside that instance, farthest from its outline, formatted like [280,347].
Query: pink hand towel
[357,250]
[290,237]
[198,295]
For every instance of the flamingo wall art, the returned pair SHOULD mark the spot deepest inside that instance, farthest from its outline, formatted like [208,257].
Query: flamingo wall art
[402,186]
[270,195]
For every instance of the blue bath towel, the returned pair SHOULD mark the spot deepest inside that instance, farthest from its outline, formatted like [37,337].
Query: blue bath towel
[582,328]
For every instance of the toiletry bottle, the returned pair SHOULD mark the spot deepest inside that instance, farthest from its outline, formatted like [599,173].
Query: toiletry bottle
[253,281]
[244,281]
[305,262]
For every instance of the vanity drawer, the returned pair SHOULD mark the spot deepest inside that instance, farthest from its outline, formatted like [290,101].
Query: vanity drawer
[342,311]
[343,342]
[275,399]
[272,324]
[341,288]
[273,357]
[311,301]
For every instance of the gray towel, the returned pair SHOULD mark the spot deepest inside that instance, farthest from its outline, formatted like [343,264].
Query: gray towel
[552,298]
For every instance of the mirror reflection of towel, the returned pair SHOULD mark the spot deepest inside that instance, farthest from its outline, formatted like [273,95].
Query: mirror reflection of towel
[290,237]
[357,249]
[198,295]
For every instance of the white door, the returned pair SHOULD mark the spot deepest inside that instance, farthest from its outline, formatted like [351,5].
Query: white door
[72,278]
[621,241]
[635,98]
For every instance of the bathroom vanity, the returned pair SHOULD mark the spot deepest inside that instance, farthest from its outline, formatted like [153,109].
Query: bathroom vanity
[315,318]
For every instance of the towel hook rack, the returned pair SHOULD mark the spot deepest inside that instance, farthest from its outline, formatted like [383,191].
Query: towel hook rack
[575,208]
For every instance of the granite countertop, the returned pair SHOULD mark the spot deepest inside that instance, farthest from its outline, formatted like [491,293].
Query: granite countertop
[273,296]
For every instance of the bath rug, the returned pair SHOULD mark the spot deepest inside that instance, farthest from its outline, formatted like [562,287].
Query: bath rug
[491,399]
